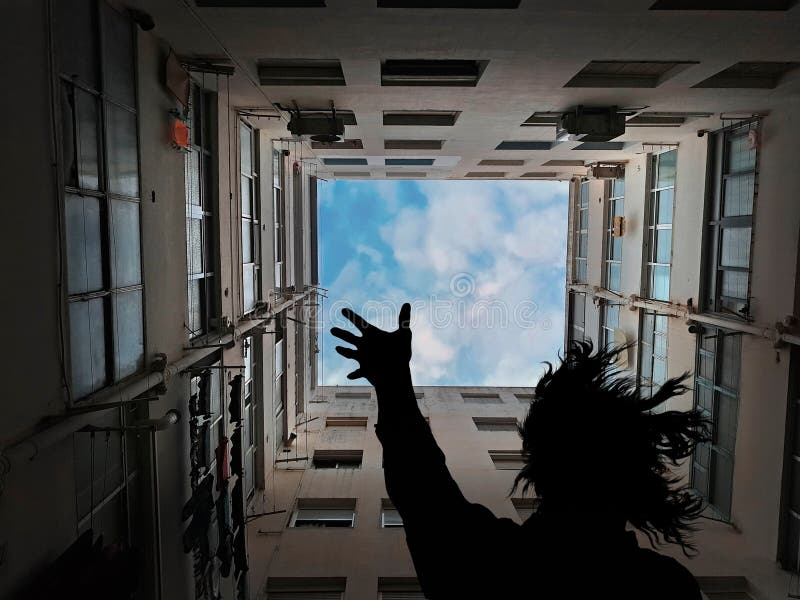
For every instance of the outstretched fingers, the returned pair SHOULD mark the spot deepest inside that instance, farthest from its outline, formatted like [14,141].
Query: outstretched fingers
[357,374]
[356,319]
[404,320]
[347,352]
[345,336]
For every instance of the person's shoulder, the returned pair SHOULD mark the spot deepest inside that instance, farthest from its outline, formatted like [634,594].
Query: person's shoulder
[677,580]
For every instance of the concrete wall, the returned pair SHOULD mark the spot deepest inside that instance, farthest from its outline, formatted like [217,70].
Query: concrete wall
[749,544]
[38,497]
[367,551]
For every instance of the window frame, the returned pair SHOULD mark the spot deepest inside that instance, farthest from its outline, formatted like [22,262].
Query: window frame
[614,206]
[647,351]
[716,223]
[203,101]
[652,227]
[606,336]
[388,505]
[250,269]
[323,504]
[715,450]
[572,328]
[105,100]
[279,220]
[581,231]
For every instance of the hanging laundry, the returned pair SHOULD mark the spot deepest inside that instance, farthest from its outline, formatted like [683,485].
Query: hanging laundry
[222,463]
[236,452]
[235,406]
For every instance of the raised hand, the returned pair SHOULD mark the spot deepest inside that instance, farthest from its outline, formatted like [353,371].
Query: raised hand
[382,355]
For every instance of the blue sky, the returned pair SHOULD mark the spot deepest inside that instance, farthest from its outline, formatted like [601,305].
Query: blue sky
[482,263]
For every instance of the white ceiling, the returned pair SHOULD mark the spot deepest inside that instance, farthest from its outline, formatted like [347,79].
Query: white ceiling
[531,51]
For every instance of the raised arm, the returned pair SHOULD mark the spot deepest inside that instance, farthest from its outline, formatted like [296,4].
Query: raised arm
[417,478]
[447,536]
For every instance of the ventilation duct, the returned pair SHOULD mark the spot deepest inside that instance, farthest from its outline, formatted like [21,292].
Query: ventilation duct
[591,124]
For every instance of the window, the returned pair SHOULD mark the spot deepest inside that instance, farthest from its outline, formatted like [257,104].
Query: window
[724,587]
[652,352]
[306,588]
[626,74]
[609,323]
[755,75]
[200,246]
[412,144]
[408,162]
[280,391]
[615,213]
[471,398]
[581,248]
[525,507]
[495,423]
[471,4]
[425,118]
[460,73]
[658,244]
[101,195]
[595,146]
[390,517]
[279,218]
[251,218]
[576,331]
[344,162]
[723,4]
[716,393]
[324,512]
[733,189]
[350,422]
[507,460]
[338,459]
[523,145]
[486,174]
[300,72]
[251,418]
[399,588]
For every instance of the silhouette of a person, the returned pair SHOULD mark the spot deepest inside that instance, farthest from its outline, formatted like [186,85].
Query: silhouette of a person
[596,455]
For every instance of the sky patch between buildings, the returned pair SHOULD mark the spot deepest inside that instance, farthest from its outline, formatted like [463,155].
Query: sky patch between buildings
[482,262]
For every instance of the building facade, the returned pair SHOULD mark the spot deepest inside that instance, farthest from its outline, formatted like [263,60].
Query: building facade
[689,253]
[161,226]
[175,282]
[338,533]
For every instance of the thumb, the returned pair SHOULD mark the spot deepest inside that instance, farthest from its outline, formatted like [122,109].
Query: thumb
[404,320]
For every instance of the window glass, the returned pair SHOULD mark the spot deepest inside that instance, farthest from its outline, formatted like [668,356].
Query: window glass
[84,244]
[123,162]
[128,322]
[87,116]
[118,59]
[87,346]
[125,243]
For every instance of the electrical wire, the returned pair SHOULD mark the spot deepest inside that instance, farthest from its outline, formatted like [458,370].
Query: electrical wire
[56,162]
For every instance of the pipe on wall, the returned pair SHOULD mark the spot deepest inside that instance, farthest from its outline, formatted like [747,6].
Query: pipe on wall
[773,334]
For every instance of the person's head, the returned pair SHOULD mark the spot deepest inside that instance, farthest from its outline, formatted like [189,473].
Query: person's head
[592,444]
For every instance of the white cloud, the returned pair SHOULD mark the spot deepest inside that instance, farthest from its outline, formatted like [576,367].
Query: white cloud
[509,237]
[370,252]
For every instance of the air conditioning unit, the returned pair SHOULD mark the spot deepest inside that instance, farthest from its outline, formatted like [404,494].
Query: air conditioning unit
[591,124]
[607,171]
[319,129]
[323,128]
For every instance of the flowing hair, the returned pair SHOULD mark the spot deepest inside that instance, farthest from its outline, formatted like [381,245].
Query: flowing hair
[587,414]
